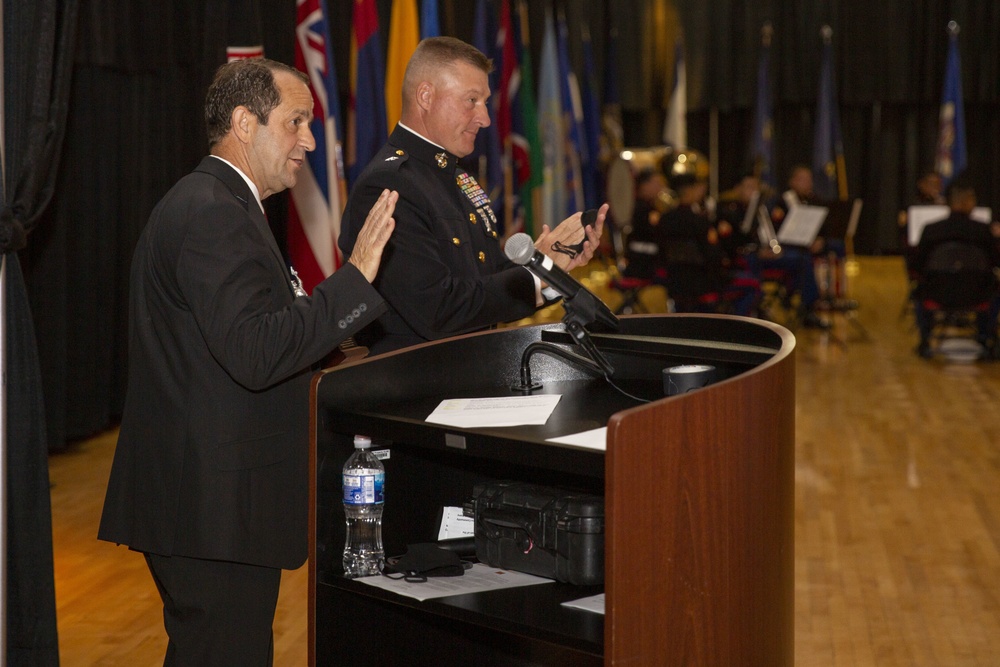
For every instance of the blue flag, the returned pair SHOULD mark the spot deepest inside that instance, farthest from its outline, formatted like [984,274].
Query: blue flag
[573,123]
[951,158]
[762,151]
[430,26]
[551,128]
[593,187]
[829,173]
[486,160]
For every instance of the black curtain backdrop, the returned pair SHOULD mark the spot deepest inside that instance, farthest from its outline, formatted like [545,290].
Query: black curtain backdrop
[141,70]
[37,41]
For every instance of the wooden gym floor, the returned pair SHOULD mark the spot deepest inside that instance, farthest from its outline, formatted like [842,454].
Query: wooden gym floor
[897,510]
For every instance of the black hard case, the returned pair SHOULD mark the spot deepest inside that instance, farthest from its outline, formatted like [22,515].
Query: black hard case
[540,530]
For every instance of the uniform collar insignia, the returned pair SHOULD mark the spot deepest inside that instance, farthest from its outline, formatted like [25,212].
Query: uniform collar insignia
[442,160]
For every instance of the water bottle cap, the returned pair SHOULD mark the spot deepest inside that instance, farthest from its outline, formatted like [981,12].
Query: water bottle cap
[362,442]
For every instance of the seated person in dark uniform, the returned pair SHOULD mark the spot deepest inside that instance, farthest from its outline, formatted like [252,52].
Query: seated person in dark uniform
[730,214]
[797,262]
[958,227]
[444,272]
[642,250]
[695,261]
[929,193]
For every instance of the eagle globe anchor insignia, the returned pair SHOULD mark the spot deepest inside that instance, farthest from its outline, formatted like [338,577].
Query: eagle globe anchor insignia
[296,283]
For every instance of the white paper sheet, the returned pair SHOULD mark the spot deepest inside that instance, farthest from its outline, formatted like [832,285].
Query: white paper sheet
[455,525]
[491,412]
[918,217]
[594,603]
[593,439]
[802,225]
[478,578]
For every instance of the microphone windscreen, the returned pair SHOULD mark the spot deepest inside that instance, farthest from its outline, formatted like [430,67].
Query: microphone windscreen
[519,248]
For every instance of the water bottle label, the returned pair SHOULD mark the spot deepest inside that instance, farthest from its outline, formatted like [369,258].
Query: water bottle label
[364,487]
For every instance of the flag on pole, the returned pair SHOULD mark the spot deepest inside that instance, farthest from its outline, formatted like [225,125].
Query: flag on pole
[551,128]
[510,81]
[951,158]
[763,118]
[612,125]
[573,124]
[486,157]
[404,33]
[675,127]
[430,25]
[367,123]
[593,187]
[319,194]
[526,144]
[829,170]
[243,30]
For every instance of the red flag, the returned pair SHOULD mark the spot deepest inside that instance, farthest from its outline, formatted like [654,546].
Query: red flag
[320,192]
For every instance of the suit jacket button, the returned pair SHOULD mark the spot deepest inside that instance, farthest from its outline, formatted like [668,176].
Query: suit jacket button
[456,241]
[472,218]
[356,313]
[342,324]
[482,256]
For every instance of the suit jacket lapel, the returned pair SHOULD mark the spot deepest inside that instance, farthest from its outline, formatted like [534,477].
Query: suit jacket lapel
[241,191]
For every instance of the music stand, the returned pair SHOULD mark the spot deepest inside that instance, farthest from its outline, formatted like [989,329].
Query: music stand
[842,223]
[802,225]
[918,217]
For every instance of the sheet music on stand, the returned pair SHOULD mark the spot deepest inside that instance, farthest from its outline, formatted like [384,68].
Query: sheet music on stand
[802,225]
[918,217]
[841,219]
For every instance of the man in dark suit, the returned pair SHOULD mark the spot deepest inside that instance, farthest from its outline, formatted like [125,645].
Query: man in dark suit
[968,286]
[444,272]
[209,479]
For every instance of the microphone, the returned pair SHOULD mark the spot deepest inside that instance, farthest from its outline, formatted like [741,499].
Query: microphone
[520,249]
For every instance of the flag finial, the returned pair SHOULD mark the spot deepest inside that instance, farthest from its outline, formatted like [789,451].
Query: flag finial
[827,33]
[766,33]
[953,28]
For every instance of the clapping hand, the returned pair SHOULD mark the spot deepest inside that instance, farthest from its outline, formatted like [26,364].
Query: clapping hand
[573,242]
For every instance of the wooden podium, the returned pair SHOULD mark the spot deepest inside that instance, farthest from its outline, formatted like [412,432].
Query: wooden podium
[698,492]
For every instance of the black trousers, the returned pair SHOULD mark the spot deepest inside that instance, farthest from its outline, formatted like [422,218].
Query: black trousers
[216,613]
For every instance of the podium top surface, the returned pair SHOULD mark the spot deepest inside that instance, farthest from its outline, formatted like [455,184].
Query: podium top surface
[397,391]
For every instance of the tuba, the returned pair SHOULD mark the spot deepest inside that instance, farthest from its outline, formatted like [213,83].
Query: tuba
[673,163]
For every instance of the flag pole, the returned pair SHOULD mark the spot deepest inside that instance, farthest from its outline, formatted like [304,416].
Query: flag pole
[3,377]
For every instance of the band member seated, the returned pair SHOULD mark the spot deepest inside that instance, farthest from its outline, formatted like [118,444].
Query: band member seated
[698,270]
[642,250]
[955,264]
[797,262]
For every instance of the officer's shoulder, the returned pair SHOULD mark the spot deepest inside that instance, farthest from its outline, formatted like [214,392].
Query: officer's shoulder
[391,159]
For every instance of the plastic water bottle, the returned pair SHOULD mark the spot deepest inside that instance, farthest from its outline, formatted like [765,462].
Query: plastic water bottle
[364,477]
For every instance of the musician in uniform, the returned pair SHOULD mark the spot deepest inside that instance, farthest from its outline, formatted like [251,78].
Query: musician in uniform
[444,272]
[795,261]
[930,192]
[642,248]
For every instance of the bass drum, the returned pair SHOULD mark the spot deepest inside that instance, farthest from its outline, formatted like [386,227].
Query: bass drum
[674,163]
[622,173]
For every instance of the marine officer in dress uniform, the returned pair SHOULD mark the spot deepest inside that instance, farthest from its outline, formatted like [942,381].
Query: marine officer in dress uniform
[444,272]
